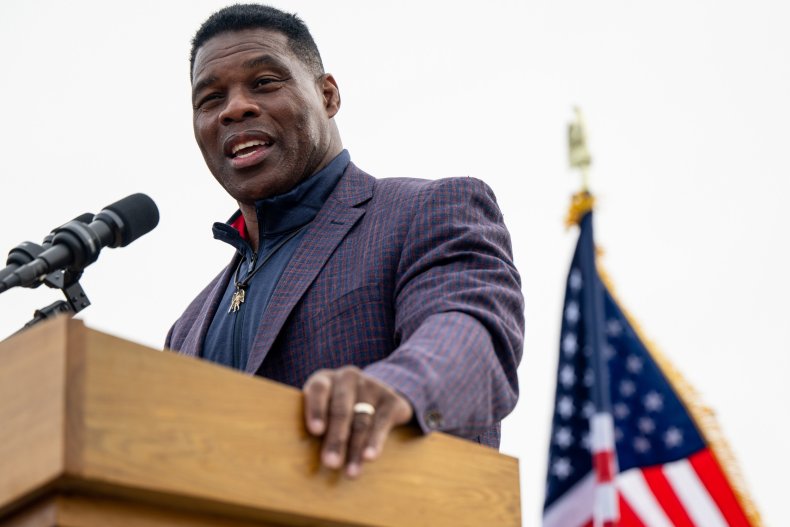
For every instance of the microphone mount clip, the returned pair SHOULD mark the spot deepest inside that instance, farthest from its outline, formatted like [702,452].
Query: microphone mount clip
[67,280]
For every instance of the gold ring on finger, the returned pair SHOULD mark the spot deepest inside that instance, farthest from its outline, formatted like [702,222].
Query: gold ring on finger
[364,408]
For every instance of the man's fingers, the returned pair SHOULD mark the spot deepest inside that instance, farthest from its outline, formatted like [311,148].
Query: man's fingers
[392,411]
[341,401]
[354,413]
[317,391]
[364,411]
[360,431]
[379,431]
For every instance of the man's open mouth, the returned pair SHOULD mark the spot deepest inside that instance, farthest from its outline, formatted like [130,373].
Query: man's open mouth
[248,148]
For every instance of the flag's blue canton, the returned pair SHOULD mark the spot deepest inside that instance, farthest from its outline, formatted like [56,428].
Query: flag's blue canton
[651,424]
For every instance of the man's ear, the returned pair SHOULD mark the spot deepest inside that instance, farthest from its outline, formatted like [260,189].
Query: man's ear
[331,94]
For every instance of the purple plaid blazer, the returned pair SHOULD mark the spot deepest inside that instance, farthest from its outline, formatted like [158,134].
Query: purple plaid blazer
[411,280]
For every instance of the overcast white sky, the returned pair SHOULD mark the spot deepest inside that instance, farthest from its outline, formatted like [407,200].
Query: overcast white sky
[687,107]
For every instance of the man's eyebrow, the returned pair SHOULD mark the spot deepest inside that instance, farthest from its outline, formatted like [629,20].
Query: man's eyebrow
[263,60]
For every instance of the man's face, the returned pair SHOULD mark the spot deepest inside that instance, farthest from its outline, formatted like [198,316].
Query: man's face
[261,118]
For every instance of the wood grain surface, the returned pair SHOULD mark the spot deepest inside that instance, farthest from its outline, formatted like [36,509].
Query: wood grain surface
[95,511]
[32,402]
[163,429]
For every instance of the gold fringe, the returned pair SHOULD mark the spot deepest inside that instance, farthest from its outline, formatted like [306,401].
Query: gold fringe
[581,203]
[703,416]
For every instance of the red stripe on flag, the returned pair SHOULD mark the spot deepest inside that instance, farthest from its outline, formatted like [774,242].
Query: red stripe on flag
[588,524]
[628,517]
[604,466]
[662,490]
[713,478]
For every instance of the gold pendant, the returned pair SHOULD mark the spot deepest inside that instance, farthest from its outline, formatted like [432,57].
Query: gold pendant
[236,300]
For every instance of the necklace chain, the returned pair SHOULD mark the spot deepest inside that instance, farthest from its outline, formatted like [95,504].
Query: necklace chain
[240,294]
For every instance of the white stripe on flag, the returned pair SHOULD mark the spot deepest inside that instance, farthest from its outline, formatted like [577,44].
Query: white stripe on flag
[575,507]
[606,503]
[634,488]
[602,432]
[693,494]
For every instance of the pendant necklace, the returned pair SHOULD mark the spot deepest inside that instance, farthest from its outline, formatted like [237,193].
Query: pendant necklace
[240,294]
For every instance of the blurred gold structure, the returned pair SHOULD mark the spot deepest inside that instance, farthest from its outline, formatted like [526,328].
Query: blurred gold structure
[578,152]
[579,158]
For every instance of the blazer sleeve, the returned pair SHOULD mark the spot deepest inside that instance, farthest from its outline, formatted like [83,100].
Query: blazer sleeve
[459,312]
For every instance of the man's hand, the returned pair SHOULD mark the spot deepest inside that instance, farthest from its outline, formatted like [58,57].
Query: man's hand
[351,437]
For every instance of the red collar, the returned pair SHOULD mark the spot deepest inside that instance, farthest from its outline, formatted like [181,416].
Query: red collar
[240,225]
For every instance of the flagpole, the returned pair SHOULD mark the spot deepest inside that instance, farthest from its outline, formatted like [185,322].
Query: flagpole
[579,158]
[606,511]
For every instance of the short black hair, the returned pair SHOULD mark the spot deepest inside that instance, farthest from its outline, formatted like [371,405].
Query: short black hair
[251,16]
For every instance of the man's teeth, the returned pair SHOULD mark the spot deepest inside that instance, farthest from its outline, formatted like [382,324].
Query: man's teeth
[248,144]
[242,156]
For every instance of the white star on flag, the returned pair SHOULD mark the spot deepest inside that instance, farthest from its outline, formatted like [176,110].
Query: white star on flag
[618,434]
[627,388]
[569,345]
[563,437]
[646,425]
[575,280]
[562,468]
[653,401]
[621,410]
[565,407]
[567,377]
[614,328]
[673,437]
[633,364]
[572,312]
[586,443]
[641,444]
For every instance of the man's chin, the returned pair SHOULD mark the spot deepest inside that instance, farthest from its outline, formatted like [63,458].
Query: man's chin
[251,191]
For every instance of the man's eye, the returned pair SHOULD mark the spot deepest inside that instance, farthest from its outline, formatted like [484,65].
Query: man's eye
[207,100]
[265,82]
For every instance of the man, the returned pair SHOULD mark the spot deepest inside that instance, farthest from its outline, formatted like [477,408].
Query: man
[389,301]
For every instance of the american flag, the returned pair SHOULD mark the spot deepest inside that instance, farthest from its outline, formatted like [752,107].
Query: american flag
[627,448]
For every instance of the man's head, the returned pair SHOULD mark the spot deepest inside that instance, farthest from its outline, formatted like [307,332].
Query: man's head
[263,108]
[256,16]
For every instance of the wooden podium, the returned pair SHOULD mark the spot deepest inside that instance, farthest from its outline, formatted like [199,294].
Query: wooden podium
[96,431]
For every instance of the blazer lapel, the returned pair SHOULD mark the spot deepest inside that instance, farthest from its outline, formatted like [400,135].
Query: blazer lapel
[193,344]
[331,225]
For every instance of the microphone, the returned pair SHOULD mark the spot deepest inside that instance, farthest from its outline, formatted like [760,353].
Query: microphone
[86,218]
[76,245]
[26,252]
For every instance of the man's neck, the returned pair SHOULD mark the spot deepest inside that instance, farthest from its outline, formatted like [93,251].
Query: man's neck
[293,208]
[251,222]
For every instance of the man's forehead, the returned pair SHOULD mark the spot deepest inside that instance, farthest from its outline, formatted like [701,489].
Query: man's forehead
[230,43]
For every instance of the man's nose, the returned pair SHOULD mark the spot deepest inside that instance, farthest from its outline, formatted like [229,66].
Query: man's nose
[240,106]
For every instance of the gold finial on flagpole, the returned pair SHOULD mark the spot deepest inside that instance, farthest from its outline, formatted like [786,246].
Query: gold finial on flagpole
[579,158]
[578,152]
